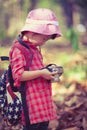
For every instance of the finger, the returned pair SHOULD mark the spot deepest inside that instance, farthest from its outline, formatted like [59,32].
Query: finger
[52,77]
[53,73]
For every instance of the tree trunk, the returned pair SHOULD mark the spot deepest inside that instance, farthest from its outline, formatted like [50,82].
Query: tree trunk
[68,11]
[33,4]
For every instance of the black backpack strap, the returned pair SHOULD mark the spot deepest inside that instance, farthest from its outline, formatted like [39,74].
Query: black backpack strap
[3,58]
[23,91]
[24,104]
[22,43]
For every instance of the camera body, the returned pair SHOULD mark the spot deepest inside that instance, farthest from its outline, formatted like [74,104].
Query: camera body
[55,68]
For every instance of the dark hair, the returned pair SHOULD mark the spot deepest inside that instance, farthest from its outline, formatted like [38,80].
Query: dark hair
[22,34]
[53,36]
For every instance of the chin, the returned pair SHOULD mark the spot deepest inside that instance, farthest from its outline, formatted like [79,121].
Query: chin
[39,44]
[42,43]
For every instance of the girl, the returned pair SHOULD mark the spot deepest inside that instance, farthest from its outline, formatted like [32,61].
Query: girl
[41,25]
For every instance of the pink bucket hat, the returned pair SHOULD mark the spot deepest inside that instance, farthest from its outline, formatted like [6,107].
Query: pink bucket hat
[42,21]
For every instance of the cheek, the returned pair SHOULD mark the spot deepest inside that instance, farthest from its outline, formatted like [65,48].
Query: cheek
[46,38]
[41,39]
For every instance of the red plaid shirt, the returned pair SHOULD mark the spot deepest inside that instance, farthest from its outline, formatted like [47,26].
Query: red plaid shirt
[39,91]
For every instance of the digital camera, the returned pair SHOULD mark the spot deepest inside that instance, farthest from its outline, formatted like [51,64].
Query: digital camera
[55,68]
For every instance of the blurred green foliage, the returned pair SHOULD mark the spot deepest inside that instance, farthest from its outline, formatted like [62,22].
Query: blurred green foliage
[2,33]
[71,35]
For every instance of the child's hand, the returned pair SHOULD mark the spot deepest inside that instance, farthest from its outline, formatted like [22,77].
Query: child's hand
[47,74]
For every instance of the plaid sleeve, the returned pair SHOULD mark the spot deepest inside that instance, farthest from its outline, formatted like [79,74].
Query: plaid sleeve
[17,63]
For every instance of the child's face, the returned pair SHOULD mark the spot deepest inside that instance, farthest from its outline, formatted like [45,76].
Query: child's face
[38,39]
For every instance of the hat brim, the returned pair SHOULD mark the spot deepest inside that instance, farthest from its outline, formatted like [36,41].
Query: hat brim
[46,29]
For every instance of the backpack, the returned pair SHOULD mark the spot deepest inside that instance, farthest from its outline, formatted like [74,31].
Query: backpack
[11,109]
